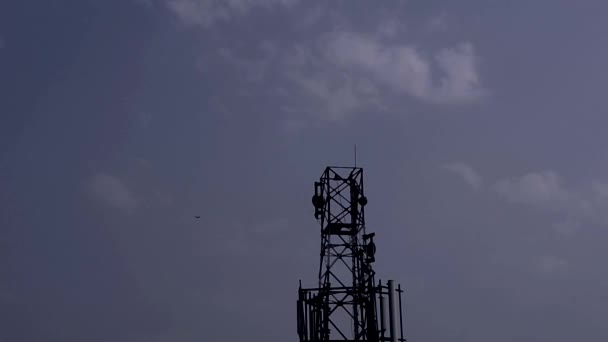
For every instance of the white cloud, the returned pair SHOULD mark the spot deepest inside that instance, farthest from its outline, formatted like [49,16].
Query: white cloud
[461,80]
[467,173]
[542,188]
[336,97]
[330,76]
[345,72]
[205,13]
[405,69]
[546,190]
[401,67]
[111,191]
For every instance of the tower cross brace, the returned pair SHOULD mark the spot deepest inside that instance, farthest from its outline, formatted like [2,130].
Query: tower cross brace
[347,305]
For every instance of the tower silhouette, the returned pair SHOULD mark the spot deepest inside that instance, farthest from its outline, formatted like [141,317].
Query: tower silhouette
[348,304]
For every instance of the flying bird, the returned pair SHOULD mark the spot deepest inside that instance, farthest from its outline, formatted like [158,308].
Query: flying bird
[197,217]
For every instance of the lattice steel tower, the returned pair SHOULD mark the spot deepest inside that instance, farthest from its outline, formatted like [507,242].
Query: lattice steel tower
[347,305]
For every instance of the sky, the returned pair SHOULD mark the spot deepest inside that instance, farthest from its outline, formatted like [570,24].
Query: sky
[480,126]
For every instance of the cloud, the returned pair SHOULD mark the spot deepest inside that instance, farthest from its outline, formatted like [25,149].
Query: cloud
[345,72]
[546,190]
[206,13]
[336,97]
[542,188]
[338,71]
[400,67]
[111,191]
[342,73]
[304,84]
[406,70]
[467,173]
[461,81]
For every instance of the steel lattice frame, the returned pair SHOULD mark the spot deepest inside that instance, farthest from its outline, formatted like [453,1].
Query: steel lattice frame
[346,277]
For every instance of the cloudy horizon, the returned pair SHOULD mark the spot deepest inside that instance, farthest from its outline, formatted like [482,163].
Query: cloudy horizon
[479,124]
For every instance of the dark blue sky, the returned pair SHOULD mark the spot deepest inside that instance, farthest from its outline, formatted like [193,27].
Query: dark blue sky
[480,125]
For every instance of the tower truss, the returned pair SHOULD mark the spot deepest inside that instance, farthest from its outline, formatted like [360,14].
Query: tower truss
[348,304]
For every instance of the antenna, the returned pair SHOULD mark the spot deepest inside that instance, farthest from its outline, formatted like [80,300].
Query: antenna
[355,155]
[348,305]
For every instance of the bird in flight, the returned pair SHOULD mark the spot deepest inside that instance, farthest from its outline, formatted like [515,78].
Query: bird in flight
[197,217]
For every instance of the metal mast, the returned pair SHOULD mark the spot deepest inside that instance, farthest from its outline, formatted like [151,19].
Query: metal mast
[347,305]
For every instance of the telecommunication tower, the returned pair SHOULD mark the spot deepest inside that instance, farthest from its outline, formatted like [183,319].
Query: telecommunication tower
[348,304]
